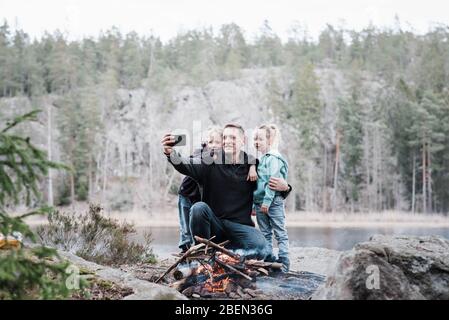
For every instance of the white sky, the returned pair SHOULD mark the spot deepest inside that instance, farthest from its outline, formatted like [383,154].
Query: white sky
[164,18]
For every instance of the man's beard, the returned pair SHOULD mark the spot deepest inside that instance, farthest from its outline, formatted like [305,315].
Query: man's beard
[229,150]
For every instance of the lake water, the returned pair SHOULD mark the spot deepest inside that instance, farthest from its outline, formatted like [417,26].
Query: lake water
[165,239]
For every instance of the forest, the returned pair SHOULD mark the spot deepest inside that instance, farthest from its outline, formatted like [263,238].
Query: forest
[364,114]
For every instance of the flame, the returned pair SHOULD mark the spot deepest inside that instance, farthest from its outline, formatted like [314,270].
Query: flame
[204,268]
[219,286]
[215,270]
[227,259]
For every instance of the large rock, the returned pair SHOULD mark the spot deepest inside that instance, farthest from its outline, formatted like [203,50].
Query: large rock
[312,259]
[391,267]
[142,290]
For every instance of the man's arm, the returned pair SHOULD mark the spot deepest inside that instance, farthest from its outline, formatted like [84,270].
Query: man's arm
[279,184]
[192,167]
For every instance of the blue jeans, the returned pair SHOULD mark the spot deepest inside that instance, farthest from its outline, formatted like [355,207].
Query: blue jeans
[248,241]
[274,221]
[185,236]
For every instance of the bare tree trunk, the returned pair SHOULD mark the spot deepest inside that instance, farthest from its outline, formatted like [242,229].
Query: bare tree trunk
[72,189]
[365,197]
[337,159]
[325,202]
[414,184]
[150,176]
[310,204]
[429,180]
[97,175]
[424,182]
[378,172]
[72,176]
[50,200]
[90,183]
[105,164]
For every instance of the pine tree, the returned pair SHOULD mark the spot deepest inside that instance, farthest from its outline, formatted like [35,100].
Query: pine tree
[24,271]
[132,70]
[306,107]
[232,50]
[429,130]
[5,60]
[304,113]
[350,125]
[267,48]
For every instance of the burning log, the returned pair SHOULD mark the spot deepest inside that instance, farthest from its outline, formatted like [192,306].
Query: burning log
[218,247]
[208,272]
[233,269]
[253,273]
[217,272]
[222,244]
[197,257]
[207,245]
[185,255]
[262,270]
[179,274]
[188,282]
[263,264]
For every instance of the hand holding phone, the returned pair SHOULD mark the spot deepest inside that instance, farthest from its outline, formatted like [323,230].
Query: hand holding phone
[179,140]
[169,141]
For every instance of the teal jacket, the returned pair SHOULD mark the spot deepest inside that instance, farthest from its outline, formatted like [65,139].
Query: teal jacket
[272,164]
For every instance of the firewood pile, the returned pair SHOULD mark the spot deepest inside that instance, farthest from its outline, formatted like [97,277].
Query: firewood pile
[209,270]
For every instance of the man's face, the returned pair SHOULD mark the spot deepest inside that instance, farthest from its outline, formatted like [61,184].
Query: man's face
[233,140]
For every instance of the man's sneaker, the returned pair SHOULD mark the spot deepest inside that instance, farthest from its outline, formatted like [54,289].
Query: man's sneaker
[270,258]
[184,248]
[285,263]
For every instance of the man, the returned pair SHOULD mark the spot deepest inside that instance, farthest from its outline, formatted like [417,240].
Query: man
[225,209]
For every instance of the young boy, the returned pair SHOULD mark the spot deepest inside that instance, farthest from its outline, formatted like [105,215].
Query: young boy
[189,190]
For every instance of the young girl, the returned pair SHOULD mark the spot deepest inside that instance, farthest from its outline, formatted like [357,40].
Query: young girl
[269,204]
[189,191]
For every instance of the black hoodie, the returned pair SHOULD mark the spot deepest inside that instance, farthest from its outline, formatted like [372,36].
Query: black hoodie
[189,188]
[225,186]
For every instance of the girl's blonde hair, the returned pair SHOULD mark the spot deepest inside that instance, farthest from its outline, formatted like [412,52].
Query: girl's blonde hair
[273,135]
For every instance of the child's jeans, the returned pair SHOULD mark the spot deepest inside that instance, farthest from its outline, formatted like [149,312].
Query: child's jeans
[185,236]
[274,221]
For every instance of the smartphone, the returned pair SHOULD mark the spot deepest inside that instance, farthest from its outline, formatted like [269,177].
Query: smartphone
[180,140]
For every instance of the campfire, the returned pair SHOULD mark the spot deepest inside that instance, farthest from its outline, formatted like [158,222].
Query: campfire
[209,270]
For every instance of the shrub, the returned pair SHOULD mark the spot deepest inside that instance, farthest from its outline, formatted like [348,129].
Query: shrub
[95,237]
[30,272]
